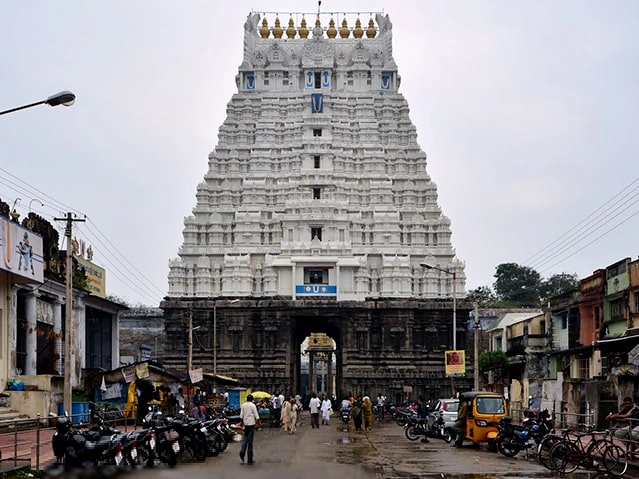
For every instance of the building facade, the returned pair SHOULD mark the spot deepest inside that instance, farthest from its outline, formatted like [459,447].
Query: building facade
[33,306]
[318,214]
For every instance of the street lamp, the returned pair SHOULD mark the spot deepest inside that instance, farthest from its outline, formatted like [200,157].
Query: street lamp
[65,98]
[428,266]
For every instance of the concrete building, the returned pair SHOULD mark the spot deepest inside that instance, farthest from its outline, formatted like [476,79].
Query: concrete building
[33,306]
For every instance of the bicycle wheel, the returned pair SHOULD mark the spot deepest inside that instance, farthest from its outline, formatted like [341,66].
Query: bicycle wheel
[595,454]
[543,450]
[615,460]
[565,457]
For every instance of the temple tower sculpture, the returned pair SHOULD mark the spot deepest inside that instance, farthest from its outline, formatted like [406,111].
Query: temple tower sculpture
[317,190]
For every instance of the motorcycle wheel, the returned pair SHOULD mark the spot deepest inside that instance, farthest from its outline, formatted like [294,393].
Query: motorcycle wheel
[198,448]
[401,420]
[508,446]
[412,433]
[445,435]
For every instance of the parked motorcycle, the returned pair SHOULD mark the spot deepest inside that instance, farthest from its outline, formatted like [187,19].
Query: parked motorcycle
[345,415]
[165,438]
[100,446]
[431,426]
[513,438]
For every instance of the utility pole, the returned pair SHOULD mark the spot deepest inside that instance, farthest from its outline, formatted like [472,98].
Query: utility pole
[476,368]
[68,317]
[189,359]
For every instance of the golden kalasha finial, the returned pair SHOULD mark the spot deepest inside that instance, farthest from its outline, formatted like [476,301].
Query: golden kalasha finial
[370,31]
[277,29]
[290,31]
[264,31]
[332,31]
[358,32]
[344,32]
[303,31]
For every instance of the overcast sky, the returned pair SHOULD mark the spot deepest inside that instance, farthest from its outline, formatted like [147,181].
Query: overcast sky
[527,110]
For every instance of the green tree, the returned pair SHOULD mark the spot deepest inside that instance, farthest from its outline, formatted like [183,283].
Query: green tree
[492,360]
[559,284]
[483,295]
[517,286]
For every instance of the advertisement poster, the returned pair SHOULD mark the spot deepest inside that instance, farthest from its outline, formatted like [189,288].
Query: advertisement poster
[455,362]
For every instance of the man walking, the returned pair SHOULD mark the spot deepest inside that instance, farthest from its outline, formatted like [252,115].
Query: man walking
[314,406]
[249,416]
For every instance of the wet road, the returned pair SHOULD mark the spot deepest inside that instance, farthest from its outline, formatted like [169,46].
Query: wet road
[329,452]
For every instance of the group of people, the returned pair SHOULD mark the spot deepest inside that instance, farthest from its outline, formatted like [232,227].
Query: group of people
[361,410]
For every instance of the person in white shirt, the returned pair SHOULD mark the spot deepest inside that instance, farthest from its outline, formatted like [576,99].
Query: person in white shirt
[249,416]
[327,409]
[314,406]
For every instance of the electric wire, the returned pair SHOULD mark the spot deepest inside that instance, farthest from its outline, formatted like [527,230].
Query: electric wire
[568,245]
[118,261]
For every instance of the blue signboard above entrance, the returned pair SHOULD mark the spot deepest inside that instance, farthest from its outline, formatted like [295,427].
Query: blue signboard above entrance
[315,289]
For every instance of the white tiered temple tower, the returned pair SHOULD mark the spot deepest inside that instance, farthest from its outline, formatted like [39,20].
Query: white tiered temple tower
[317,186]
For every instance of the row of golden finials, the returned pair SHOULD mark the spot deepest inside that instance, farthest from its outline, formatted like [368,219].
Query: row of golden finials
[331,32]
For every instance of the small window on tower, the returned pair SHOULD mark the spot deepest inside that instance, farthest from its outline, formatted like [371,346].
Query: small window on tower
[316,160]
[318,80]
[316,232]
[317,132]
[316,275]
[316,193]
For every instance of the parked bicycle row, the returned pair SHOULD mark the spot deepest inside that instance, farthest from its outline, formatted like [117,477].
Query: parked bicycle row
[160,440]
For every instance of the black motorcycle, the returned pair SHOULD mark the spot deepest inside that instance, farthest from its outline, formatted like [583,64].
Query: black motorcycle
[345,415]
[431,426]
[100,446]
[513,438]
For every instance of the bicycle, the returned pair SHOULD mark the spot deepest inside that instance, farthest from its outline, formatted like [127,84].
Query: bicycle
[599,454]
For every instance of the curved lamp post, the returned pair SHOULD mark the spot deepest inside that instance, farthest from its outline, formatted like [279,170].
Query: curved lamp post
[65,98]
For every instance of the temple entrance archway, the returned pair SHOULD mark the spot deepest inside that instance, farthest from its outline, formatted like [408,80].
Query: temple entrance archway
[394,347]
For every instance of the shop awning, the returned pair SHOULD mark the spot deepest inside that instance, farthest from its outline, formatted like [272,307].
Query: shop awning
[219,379]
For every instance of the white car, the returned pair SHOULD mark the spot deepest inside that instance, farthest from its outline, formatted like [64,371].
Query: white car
[448,409]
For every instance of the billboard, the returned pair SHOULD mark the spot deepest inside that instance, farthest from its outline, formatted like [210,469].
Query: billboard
[95,276]
[22,251]
[455,362]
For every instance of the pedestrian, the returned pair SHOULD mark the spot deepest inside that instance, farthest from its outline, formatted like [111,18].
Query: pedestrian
[460,423]
[202,415]
[629,415]
[314,406]
[357,413]
[367,413]
[422,412]
[277,409]
[381,405]
[327,410]
[291,415]
[249,416]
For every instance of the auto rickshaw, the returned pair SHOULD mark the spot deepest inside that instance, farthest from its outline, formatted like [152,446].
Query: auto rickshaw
[484,410]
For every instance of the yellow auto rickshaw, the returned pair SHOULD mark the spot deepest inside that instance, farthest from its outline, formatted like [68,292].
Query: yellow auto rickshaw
[483,411]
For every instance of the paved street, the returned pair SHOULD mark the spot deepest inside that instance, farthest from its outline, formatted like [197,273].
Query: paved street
[329,452]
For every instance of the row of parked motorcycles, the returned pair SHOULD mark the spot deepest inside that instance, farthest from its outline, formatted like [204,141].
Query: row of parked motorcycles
[511,438]
[433,425]
[161,440]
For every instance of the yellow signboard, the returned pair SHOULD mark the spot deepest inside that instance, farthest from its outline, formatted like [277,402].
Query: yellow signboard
[95,276]
[455,362]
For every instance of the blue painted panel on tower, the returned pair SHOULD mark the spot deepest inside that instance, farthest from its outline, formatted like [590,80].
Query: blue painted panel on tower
[386,82]
[250,82]
[326,79]
[315,289]
[317,103]
[310,79]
